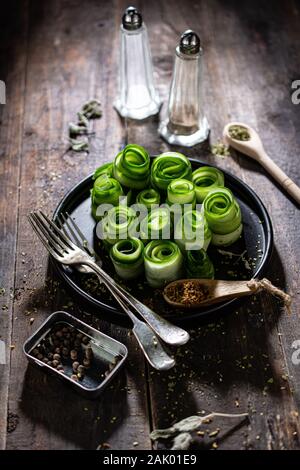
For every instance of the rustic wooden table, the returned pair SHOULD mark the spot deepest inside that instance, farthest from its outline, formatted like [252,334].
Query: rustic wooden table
[54,56]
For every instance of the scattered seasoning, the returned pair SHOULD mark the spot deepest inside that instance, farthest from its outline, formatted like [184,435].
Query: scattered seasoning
[187,293]
[220,150]
[214,433]
[239,133]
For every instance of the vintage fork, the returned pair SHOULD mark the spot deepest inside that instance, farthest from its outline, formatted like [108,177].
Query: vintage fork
[59,248]
[64,250]
[67,252]
[148,341]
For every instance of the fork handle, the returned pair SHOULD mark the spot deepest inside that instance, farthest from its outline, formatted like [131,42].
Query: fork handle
[169,333]
[146,338]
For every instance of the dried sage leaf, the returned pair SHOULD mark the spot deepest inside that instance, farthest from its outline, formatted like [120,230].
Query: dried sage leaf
[190,424]
[92,109]
[79,145]
[182,441]
[75,130]
[185,425]
[82,120]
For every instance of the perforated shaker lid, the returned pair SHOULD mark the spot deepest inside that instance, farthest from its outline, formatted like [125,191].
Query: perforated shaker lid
[132,19]
[189,42]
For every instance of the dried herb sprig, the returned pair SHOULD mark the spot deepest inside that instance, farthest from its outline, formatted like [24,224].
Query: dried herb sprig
[90,110]
[181,431]
[79,145]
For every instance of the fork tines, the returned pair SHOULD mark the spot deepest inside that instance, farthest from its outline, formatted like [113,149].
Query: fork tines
[56,242]
[74,232]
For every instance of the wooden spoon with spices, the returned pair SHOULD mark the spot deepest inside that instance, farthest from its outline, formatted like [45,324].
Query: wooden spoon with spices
[197,293]
[247,141]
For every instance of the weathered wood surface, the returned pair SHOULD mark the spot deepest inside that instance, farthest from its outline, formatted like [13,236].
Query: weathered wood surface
[56,55]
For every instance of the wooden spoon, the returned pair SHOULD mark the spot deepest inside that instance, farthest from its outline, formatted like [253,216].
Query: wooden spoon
[214,291]
[254,149]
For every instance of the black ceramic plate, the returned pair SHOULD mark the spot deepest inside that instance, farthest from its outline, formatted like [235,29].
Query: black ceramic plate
[247,257]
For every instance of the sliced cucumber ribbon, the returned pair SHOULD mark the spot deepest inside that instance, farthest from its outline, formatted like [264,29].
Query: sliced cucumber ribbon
[149,197]
[118,224]
[181,191]
[132,167]
[163,262]
[106,169]
[192,231]
[167,167]
[198,265]
[127,258]
[223,215]
[106,190]
[205,179]
[157,225]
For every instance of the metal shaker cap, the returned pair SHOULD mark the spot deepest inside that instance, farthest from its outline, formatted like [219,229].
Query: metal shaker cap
[189,42]
[132,19]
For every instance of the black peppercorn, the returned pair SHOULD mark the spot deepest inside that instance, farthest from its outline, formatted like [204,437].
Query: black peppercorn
[81,370]
[86,363]
[65,352]
[89,353]
[73,354]
[85,340]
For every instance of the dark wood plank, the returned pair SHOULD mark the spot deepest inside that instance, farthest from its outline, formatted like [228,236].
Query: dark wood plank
[68,62]
[13,26]
[242,361]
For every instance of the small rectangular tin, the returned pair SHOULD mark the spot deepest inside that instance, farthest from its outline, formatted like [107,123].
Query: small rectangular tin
[104,347]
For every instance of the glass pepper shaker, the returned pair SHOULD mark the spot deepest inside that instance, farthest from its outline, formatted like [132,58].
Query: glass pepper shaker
[186,123]
[137,97]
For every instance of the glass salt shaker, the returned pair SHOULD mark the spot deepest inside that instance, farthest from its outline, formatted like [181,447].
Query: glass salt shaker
[137,97]
[186,123]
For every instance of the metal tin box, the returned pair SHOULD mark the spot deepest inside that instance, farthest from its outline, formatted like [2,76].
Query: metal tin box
[108,355]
